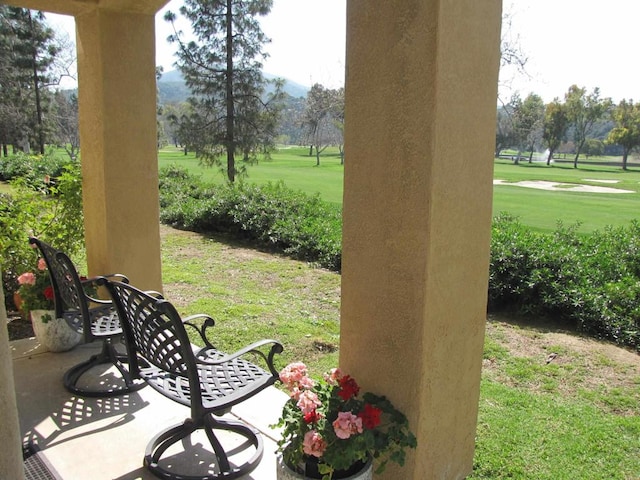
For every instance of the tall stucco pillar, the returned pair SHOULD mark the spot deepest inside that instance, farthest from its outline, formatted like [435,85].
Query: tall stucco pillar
[11,452]
[117,101]
[421,90]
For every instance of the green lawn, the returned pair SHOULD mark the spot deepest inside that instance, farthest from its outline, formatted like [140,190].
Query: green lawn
[539,209]
[573,418]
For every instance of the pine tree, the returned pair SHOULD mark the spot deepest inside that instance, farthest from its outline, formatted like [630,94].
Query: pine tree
[230,111]
[27,51]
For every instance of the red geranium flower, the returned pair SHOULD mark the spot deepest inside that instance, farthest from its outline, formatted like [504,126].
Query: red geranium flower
[348,388]
[312,416]
[370,416]
[48,293]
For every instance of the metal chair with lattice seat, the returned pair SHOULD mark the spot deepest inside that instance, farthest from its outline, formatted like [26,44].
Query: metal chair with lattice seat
[205,379]
[95,319]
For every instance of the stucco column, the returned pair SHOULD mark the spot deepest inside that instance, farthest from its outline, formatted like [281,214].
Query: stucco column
[11,452]
[117,102]
[421,90]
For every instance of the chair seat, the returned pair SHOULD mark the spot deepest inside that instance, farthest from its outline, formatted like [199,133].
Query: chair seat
[222,385]
[104,321]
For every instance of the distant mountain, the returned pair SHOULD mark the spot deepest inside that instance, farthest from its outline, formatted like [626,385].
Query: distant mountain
[172,88]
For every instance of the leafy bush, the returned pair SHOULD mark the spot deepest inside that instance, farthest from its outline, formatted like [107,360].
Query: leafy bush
[32,169]
[591,281]
[269,215]
[55,217]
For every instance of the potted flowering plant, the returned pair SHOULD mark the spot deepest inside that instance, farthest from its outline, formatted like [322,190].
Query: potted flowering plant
[330,431]
[38,303]
[36,292]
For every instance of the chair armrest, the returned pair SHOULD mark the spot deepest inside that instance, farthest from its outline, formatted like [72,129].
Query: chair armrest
[208,322]
[276,347]
[113,276]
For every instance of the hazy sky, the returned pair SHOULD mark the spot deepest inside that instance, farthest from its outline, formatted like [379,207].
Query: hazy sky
[591,44]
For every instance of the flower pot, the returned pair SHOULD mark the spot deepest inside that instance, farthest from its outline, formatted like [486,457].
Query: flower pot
[286,473]
[54,334]
[17,301]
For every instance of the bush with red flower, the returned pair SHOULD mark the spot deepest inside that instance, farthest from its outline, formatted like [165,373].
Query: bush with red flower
[35,289]
[329,426]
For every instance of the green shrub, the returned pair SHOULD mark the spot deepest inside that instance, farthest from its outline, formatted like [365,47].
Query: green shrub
[55,217]
[32,169]
[270,215]
[591,281]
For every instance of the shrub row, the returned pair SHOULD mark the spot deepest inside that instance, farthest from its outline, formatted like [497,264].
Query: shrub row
[32,169]
[270,215]
[590,281]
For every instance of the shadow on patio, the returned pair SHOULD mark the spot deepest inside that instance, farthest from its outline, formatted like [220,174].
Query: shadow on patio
[105,438]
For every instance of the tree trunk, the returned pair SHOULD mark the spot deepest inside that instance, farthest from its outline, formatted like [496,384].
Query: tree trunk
[549,157]
[230,121]
[317,157]
[624,159]
[310,150]
[36,89]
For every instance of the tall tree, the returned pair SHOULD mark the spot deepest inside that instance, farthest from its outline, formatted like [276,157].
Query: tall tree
[323,118]
[29,50]
[555,124]
[67,133]
[230,111]
[584,110]
[505,132]
[626,132]
[531,119]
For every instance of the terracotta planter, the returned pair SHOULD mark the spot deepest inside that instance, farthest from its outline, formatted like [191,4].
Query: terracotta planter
[54,334]
[285,473]
[17,301]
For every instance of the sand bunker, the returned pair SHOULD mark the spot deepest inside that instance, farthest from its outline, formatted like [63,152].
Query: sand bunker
[564,187]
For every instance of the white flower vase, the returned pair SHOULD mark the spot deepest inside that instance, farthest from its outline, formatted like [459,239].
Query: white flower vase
[285,473]
[54,334]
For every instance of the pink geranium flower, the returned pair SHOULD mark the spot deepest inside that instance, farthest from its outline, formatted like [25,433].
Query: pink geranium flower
[292,374]
[313,444]
[308,401]
[42,265]
[347,424]
[27,278]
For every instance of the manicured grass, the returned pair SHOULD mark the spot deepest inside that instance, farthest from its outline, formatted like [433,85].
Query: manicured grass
[539,209]
[293,165]
[542,209]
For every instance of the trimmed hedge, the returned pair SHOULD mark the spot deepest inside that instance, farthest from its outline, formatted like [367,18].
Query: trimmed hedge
[270,215]
[592,282]
[32,169]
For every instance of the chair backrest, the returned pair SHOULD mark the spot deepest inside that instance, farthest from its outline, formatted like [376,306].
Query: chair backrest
[153,330]
[69,296]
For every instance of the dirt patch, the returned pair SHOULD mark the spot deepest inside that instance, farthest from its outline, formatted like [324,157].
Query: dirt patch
[580,362]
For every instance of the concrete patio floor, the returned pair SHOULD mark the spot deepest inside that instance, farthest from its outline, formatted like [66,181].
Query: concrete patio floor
[105,438]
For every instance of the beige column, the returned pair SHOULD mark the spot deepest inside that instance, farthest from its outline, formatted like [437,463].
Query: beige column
[117,101]
[11,452]
[421,90]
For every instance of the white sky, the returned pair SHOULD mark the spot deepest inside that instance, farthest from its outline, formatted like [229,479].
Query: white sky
[591,44]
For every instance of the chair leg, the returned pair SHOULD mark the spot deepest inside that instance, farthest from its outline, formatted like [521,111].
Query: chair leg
[159,444]
[107,355]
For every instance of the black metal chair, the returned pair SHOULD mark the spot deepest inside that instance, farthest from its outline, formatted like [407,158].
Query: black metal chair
[203,378]
[94,318]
